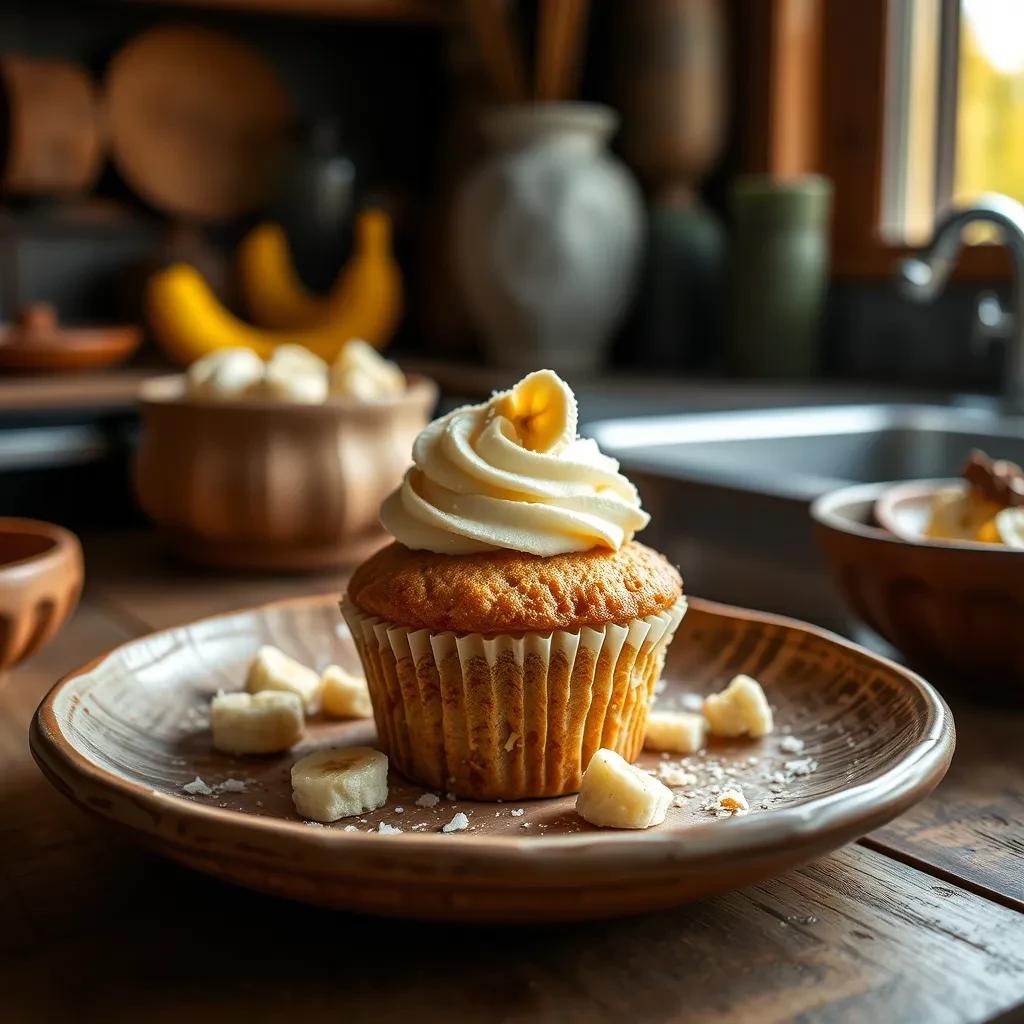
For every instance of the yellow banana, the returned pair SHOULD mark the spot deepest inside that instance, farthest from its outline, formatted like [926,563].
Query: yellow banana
[366,297]
[189,322]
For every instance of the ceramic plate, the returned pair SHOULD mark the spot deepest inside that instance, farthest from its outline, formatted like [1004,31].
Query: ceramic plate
[125,733]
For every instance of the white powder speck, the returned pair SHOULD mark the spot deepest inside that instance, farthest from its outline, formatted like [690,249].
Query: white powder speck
[399,810]
[197,787]
[232,786]
[388,830]
[351,828]
[314,824]
[791,745]
[518,812]
[457,824]
[428,800]
[804,766]
[673,775]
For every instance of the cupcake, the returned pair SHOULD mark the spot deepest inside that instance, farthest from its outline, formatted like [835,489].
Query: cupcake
[515,627]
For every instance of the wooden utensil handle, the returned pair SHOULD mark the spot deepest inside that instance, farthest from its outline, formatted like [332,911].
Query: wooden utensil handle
[489,23]
[561,34]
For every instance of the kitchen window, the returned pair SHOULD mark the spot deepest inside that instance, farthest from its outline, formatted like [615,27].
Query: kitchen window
[922,107]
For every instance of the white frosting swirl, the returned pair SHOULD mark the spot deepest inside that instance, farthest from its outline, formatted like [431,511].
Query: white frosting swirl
[511,473]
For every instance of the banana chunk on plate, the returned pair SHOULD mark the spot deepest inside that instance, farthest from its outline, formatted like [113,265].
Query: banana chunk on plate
[741,709]
[615,794]
[678,732]
[256,723]
[272,669]
[345,695]
[340,782]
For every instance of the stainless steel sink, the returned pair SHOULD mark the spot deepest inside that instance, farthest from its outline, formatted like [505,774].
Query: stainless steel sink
[801,453]
[729,491]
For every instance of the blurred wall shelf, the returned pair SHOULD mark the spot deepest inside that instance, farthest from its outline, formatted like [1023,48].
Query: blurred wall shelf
[410,12]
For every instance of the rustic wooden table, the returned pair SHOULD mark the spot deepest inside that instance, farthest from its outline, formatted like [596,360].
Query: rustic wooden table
[920,922]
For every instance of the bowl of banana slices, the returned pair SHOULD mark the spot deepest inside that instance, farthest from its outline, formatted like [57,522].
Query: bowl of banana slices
[277,464]
[937,568]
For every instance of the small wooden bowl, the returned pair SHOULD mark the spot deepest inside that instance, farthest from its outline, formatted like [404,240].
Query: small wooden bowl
[41,574]
[38,342]
[252,484]
[954,607]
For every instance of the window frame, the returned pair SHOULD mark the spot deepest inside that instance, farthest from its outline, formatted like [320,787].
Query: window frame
[822,83]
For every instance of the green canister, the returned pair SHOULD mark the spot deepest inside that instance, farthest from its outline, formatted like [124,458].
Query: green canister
[780,260]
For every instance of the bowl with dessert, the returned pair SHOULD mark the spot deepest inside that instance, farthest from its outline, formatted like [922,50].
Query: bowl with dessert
[935,567]
[278,464]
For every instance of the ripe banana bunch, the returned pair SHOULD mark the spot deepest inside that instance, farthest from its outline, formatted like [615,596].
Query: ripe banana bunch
[542,409]
[679,732]
[339,782]
[189,321]
[272,669]
[366,297]
[741,709]
[256,723]
[345,695]
[615,794]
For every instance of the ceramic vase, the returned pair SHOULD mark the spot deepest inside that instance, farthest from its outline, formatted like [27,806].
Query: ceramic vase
[548,236]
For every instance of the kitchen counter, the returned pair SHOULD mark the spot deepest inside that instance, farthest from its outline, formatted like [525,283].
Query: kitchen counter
[921,921]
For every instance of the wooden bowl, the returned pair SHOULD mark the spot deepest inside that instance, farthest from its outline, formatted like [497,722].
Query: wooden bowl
[54,138]
[252,484]
[955,607]
[199,122]
[41,575]
[37,342]
[124,734]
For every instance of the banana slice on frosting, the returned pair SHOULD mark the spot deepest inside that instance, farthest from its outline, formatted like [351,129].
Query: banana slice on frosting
[542,409]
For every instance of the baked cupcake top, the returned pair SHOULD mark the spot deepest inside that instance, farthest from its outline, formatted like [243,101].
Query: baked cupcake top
[513,592]
[511,474]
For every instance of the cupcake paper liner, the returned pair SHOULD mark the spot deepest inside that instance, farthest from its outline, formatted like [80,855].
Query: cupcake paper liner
[510,717]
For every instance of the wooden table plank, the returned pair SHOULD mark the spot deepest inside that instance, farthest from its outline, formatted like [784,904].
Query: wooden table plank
[973,827]
[46,854]
[853,937]
[139,583]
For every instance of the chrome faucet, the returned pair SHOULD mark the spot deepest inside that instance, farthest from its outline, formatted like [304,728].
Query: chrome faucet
[922,278]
